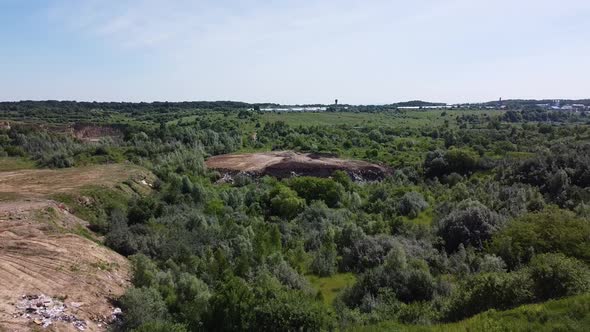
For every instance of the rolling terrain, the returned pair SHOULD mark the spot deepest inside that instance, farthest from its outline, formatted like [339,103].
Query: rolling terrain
[478,220]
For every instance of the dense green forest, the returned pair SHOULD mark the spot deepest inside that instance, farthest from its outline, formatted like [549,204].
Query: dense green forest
[485,210]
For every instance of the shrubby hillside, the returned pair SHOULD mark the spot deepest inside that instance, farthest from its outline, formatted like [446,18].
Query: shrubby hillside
[485,210]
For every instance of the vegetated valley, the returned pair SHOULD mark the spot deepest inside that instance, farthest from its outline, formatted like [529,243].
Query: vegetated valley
[140,217]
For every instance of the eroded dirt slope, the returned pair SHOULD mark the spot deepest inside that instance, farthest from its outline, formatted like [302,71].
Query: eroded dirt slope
[42,253]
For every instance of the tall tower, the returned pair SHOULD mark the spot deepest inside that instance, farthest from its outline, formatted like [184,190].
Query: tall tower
[336,102]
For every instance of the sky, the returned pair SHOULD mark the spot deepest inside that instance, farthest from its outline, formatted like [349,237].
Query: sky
[294,51]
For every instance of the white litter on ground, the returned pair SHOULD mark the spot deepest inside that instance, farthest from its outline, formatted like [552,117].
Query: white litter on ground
[45,310]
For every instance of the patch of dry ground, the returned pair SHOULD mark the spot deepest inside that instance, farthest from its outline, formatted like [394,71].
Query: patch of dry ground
[287,163]
[40,254]
[42,182]
[93,133]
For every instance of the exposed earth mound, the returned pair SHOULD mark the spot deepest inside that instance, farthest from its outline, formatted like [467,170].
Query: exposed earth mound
[39,256]
[44,258]
[287,163]
[93,133]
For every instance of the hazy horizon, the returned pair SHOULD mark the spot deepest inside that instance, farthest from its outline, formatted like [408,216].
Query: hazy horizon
[294,52]
[289,104]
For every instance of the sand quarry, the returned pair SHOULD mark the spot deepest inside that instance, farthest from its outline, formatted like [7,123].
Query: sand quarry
[42,257]
[283,164]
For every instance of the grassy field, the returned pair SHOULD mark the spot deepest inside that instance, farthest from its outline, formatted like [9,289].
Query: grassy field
[411,118]
[15,164]
[569,314]
[404,118]
[329,287]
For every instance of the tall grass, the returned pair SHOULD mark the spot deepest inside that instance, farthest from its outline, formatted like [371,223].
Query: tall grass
[568,314]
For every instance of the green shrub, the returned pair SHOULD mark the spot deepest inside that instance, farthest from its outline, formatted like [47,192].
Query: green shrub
[310,188]
[489,291]
[144,270]
[291,311]
[231,307]
[284,202]
[141,306]
[411,204]
[555,275]
[552,230]
[160,326]
[472,223]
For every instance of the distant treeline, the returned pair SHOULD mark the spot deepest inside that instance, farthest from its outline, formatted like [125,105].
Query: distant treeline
[416,103]
[533,103]
[51,111]
[538,115]
[119,106]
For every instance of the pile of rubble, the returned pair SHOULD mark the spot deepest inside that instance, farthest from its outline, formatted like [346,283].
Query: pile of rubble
[44,311]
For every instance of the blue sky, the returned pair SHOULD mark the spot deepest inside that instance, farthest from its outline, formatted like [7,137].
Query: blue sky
[305,51]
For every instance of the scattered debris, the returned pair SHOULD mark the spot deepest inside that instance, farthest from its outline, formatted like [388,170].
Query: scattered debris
[63,207]
[116,317]
[84,200]
[226,178]
[44,310]
[145,183]
[76,304]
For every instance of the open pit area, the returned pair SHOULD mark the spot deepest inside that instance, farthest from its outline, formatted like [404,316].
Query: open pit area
[282,164]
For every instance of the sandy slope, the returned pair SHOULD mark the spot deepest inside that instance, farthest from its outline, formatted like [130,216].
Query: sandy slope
[39,252]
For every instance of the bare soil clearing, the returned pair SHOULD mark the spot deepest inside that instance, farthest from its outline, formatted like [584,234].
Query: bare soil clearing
[41,254]
[44,182]
[287,163]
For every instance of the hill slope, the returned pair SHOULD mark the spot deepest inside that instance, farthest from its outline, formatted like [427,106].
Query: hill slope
[44,249]
[568,314]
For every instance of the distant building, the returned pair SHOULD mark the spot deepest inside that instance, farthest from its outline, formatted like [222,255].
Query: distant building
[4,125]
[426,107]
[579,107]
[295,109]
[567,108]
